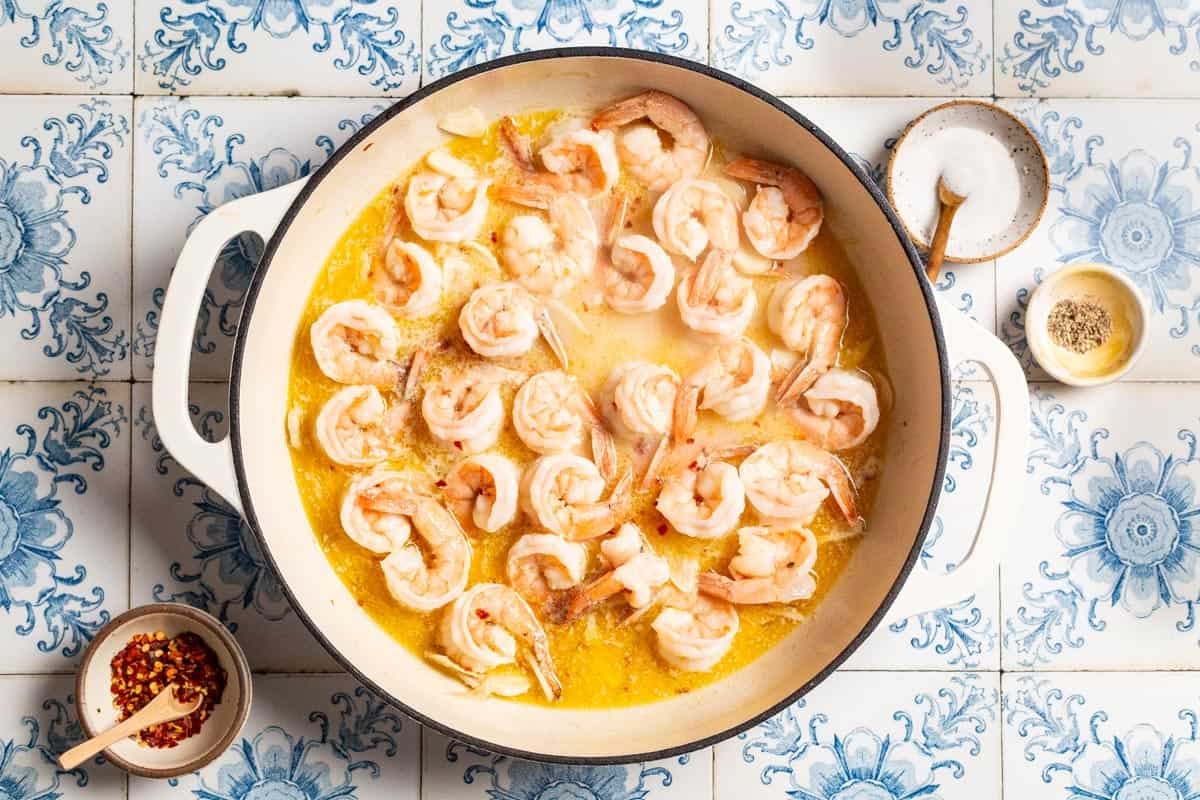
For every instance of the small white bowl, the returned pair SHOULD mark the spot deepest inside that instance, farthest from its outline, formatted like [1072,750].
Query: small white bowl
[1053,289]
[912,178]
[94,699]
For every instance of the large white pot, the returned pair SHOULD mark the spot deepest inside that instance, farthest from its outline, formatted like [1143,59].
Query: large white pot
[302,222]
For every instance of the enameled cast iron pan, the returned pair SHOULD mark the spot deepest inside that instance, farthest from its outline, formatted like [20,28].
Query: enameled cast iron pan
[302,221]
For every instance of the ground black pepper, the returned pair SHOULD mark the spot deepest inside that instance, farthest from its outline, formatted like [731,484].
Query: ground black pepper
[1079,325]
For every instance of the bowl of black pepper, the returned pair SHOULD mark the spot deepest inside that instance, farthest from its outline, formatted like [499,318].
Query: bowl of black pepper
[143,652]
[1086,324]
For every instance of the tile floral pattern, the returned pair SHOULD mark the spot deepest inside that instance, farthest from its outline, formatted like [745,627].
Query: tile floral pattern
[364,47]
[66,45]
[1124,196]
[900,46]
[463,33]
[1048,45]
[65,459]
[62,290]
[909,734]
[105,168]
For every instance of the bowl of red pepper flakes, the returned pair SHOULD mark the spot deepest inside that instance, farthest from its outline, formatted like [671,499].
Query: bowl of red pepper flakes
[141,653]
[151,662]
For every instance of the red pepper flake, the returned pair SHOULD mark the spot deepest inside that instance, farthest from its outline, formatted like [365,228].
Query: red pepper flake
[440,484]
[149,663]
[495,238]
[662,529]
[458,445]
[482,613]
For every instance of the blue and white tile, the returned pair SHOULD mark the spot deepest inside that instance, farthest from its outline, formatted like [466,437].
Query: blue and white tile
[195,155]
[64,519]
[38,723]
[308,738]
[856,47]
[1126,193]
[964,633]
[457,771]
[190,546]
[64,237]
[868,129]
[1105,574]
[873,735]
[283,47]
[462,33]
[1101,736]
[1098,48]
[66,46]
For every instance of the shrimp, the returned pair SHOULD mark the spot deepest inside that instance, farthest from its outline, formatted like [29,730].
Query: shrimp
[641,147]
[414,583]
[448,203]
[639,399]
[549,258]
[552,414]
[581,161]
[694,631]
[503,320]
[540,565]
[378,531]
[786,212]
[356,342]
[692,215]
[355,427]
[464,407]
[484,489]
[786,482]
[810,315]
[409,282]
[716,298]
[770,567]
[703,499]
[839,412]
[498,321]
[562,492]
[636,570]
[486,627]
[733,383]
[638,275]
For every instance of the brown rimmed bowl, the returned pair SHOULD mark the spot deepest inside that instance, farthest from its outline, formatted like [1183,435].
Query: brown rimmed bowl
[94,699]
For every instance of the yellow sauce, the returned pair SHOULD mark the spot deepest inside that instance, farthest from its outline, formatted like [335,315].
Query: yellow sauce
[1096,286]
[601,663]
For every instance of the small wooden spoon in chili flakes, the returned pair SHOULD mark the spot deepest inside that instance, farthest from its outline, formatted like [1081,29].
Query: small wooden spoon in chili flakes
[165,707]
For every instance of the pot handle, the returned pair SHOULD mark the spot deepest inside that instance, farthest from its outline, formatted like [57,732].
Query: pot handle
[210,462]
[924,591]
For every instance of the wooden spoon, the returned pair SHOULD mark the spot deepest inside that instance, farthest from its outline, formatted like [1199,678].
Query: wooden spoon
[163,708]
[941,235]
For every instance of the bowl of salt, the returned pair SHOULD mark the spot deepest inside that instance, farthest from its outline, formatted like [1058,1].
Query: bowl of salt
[983,153]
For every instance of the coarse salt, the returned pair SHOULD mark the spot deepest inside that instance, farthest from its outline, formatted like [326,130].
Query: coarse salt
[973,164]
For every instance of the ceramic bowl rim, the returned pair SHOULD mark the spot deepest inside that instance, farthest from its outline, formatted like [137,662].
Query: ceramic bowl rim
[876,194]
[196,618]
[992,108]
[1037,339]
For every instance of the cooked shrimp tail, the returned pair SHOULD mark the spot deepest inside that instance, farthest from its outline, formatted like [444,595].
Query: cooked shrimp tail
[604,452]
[516,145]
[549,331]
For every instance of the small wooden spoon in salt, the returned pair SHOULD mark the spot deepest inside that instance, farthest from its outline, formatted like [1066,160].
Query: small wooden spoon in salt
[949,202]
[165,707]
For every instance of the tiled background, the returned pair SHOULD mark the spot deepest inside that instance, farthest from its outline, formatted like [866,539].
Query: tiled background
[197,102]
